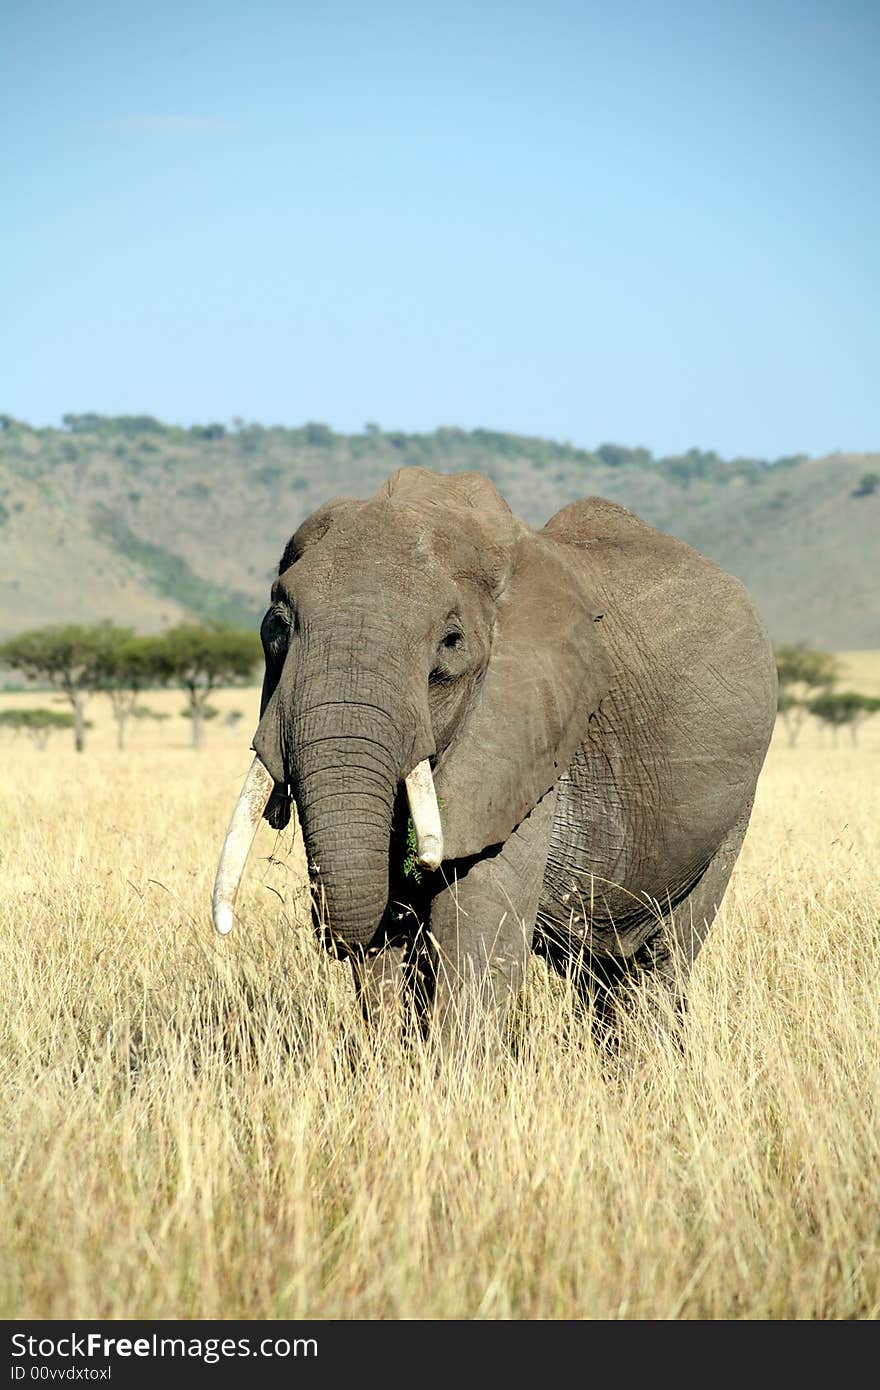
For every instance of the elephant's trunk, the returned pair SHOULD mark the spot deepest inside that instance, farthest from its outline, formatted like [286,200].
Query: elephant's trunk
[344,783]
[344,727]
[343,733]
[252,802]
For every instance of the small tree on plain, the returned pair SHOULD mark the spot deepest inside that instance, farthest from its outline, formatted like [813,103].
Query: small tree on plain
[142,713]
[209,712]
[68,657]
[803,675]
[125,670]
[844,709]
[38,724]
[201,658]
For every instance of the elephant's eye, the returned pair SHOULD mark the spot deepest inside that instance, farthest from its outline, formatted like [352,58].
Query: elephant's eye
[447,669]
[275,633]
[453,640]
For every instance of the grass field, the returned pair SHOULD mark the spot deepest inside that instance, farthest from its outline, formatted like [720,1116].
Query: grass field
[199,1128]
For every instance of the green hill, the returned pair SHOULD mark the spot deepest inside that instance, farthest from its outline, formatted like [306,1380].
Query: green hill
[143,522]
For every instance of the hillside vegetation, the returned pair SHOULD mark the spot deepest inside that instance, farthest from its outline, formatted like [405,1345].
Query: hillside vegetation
[147,523]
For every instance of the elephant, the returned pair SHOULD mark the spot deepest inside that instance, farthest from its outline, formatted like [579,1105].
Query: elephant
[502,740]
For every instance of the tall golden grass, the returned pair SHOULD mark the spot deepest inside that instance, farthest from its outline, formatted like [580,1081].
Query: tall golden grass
[201,1128]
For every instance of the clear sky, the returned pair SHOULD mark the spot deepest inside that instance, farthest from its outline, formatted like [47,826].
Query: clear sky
[653,223]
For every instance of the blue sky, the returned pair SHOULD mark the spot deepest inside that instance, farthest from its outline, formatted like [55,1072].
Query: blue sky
[650,223]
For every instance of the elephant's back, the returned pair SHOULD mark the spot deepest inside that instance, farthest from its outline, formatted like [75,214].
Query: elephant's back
[670,615]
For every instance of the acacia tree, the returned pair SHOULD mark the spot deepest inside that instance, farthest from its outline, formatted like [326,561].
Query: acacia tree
[143,712]
[803,675]
[209,712]
[126,669]
[68,657]
[38,724]
[201,658]
[844,709]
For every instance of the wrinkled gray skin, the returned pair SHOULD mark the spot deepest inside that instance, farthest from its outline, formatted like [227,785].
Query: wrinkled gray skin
[596,700]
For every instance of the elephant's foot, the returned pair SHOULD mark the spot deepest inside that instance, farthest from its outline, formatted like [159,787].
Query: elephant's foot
[394,986]
[472,1002]
[380,983]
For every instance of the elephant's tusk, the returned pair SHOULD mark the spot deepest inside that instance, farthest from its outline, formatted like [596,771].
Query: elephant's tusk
[251,804]
[425,814]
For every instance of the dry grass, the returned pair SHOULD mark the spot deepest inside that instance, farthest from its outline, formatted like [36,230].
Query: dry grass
[199,1128]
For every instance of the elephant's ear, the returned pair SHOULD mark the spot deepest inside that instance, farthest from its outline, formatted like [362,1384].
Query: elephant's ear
[547,672]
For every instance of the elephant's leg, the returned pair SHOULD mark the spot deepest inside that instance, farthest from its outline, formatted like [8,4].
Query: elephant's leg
[482,924]
[596,982]
[380,980]
[668,957]
[686,928]
[604,982]
[394,984]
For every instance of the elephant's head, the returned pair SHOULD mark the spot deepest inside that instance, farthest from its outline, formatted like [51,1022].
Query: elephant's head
[424,629]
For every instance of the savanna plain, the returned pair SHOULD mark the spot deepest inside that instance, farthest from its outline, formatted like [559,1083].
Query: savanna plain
[195,1127]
